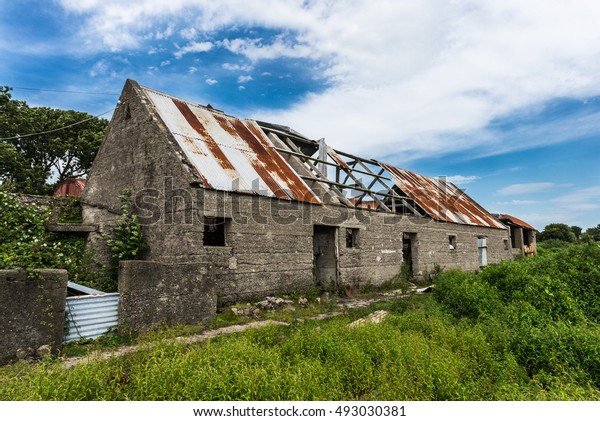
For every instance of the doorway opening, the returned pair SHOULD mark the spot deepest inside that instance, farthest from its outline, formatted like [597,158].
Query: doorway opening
[325,262]
[409,240]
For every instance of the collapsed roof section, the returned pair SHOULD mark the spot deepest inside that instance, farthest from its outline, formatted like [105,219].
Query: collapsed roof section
[367,183]
[513,220]
[267,159]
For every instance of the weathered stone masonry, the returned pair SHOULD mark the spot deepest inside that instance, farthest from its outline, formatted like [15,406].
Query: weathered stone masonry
[32,311]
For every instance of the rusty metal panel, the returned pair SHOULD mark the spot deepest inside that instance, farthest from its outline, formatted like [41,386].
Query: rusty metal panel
[514,220]
[70,187]
[442,200]
[229,154]
[90,316]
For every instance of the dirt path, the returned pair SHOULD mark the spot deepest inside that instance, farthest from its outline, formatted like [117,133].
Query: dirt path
[343,303]
[124,350]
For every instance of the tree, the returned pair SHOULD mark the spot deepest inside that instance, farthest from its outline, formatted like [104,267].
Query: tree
[593,233]
[557,232]
[65,146]
[576,230]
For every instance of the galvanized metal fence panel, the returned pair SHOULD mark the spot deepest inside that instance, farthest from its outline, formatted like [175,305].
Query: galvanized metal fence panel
[90,316]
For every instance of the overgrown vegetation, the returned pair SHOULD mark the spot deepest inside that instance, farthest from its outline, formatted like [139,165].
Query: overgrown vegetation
[127,240]
[25,243]
[522,330]
[543,311]
[563,234]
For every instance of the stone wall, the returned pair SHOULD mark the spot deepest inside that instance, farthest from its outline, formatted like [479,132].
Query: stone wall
[154,293]
[32,312]
[270,244]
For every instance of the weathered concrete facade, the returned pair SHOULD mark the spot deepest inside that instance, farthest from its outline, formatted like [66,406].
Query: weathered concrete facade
[154,293]
[32,311]
[261,245]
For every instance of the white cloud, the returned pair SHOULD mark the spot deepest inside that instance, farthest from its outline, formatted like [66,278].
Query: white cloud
[460,180]
[237,67]
[188,33]
[192,70]
[578,207]
[211,81]
[194,47]
[100,67]
[581,199]
[241,88]
[165,63]
[526,188]
[406,75]
[520,202]
[167,33]
[255,49]
[244,79]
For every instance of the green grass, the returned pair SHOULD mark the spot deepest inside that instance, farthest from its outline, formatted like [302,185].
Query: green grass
[526,330]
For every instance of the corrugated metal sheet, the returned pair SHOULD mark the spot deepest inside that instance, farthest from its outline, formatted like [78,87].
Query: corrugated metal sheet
[514,220]
[70,187]
[91,316]
[443,201]
[229,154]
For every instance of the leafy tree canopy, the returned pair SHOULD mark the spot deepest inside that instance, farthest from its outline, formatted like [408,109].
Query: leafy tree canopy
[27,163]
[593,234]
[560,232]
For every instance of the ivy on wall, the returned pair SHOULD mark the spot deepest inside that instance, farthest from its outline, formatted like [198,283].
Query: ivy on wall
[26,244]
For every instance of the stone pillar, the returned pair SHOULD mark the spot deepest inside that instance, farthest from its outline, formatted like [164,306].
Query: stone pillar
[32,312]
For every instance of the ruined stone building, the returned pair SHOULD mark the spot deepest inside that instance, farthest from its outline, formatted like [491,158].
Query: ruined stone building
[522,235]
[270,210]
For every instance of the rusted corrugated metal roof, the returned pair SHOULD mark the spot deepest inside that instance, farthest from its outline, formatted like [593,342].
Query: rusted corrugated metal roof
[442,200]
[514,220]
[229,154]
[70,187]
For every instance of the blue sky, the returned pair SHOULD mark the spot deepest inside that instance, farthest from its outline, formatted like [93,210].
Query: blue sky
[502,97]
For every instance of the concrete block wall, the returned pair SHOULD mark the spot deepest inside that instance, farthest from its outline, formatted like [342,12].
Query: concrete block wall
[32,311]
[154,293]
[267,256]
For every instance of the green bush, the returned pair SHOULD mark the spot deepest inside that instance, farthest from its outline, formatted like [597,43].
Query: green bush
[542,310]
[127,240]
[25,243]
[465,294]
[419,355]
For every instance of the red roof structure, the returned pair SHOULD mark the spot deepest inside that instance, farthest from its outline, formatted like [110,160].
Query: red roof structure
[69,187]
[511,220]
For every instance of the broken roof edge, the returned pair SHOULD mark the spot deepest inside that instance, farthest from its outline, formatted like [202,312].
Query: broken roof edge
[458,213]
[284,129]
[466,211]
[514,220]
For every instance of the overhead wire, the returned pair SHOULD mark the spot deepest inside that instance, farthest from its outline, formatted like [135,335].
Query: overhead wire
[56,130]
[65,91]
